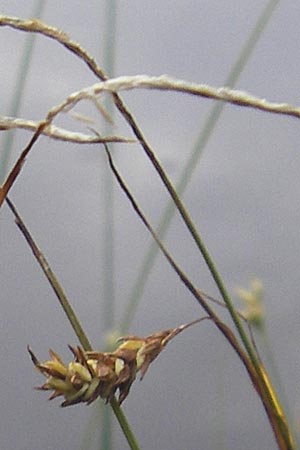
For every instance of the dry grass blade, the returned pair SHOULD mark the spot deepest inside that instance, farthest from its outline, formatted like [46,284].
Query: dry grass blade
[54,132]
[166,83]
[37,26]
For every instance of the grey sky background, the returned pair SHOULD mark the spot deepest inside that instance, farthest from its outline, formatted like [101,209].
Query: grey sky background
[244,197]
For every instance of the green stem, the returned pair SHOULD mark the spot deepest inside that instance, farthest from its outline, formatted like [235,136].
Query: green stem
[190,165]
[124,425]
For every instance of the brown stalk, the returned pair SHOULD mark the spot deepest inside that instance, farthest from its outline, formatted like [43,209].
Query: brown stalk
[4,189]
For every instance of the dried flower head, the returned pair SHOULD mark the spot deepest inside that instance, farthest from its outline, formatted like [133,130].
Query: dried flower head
[95,374]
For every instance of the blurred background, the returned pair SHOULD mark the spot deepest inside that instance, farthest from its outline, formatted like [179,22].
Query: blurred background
[243,196]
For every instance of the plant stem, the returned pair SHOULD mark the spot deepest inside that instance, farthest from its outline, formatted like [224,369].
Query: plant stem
[52,279]
[124,425]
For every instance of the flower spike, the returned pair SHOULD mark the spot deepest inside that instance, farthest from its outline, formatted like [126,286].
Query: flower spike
[94,374]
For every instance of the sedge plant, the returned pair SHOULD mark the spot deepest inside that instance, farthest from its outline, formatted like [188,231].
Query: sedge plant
[108,375]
